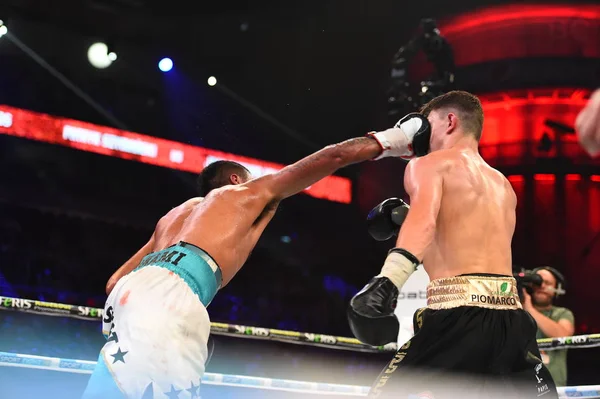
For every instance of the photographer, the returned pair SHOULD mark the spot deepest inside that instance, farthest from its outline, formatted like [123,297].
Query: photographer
[552,321]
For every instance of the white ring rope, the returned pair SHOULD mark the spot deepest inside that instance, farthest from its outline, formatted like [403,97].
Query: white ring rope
[330,341]
[242,381]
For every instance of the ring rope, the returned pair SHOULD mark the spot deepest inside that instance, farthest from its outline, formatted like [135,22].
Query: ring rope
[240,331]
[241,381]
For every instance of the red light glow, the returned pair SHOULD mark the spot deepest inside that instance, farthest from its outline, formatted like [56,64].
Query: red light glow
[151,150]
[522,31]
[514,118]
[544,177]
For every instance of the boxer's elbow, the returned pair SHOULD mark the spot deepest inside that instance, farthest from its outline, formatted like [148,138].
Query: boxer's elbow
[416,236]
[421,224]
[427,233]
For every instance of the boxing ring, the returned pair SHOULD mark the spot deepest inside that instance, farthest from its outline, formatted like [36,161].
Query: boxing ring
[74,372]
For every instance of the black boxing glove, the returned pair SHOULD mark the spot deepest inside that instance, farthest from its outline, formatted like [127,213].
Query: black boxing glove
[384,221]
[371,313]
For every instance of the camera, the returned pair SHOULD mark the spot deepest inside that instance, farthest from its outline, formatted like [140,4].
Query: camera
[527,279]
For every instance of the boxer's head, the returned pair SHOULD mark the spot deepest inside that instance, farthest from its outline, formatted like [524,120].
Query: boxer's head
[219,174]
[452,116]
[551,285]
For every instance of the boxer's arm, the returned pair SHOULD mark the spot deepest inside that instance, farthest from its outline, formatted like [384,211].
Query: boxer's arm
[423,183]
[131,264]
[296,177]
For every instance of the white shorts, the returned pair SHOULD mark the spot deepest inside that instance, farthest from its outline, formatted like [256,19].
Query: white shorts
[157,332]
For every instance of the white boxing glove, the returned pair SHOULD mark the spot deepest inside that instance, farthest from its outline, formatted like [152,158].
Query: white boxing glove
[409,138]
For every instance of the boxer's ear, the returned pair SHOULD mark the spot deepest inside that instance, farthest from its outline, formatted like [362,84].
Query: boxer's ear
[451,122]
[235,179]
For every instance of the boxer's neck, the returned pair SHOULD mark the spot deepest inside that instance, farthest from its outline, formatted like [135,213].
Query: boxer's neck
[461,141]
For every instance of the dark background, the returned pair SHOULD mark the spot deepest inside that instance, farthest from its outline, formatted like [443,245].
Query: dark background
[321,69]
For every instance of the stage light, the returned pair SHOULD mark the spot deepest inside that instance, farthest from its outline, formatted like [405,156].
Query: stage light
[3,28]
[99,56]
[212,81]
[165,65]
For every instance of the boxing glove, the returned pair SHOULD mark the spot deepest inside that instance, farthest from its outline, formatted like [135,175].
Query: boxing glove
[384,221]
[371,313]
[407,139]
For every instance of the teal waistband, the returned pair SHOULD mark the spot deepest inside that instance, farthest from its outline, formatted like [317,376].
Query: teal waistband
[192,264]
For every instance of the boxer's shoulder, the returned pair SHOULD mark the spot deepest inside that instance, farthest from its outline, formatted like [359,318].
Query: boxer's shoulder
[192,202]
[245,195]
[186,206]
[436,161]
[232,190]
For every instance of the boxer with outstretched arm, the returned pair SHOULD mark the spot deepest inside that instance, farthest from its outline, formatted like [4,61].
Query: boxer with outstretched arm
[155,317]
[459,226]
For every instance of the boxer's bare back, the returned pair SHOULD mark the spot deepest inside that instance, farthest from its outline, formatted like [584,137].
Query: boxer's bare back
[226,224]
[476,218]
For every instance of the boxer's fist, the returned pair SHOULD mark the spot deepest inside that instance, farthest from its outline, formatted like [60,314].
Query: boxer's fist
[371,313]
[409,138]
[587,125]
[384,221]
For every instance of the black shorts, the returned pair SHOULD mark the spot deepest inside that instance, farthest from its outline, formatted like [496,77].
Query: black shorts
[468,352]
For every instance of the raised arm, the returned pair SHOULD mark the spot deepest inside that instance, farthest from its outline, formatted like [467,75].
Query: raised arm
[296,177]
[394,142]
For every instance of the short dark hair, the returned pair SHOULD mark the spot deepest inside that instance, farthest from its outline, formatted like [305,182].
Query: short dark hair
[217,175]
[468,107]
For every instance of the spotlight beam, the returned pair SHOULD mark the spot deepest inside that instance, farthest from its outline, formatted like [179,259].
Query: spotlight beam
[288,131]
[183,178]
[64,80]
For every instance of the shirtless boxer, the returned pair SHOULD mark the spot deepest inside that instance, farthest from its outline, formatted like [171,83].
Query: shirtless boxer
[587,125]
[156,321]
[459,226]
